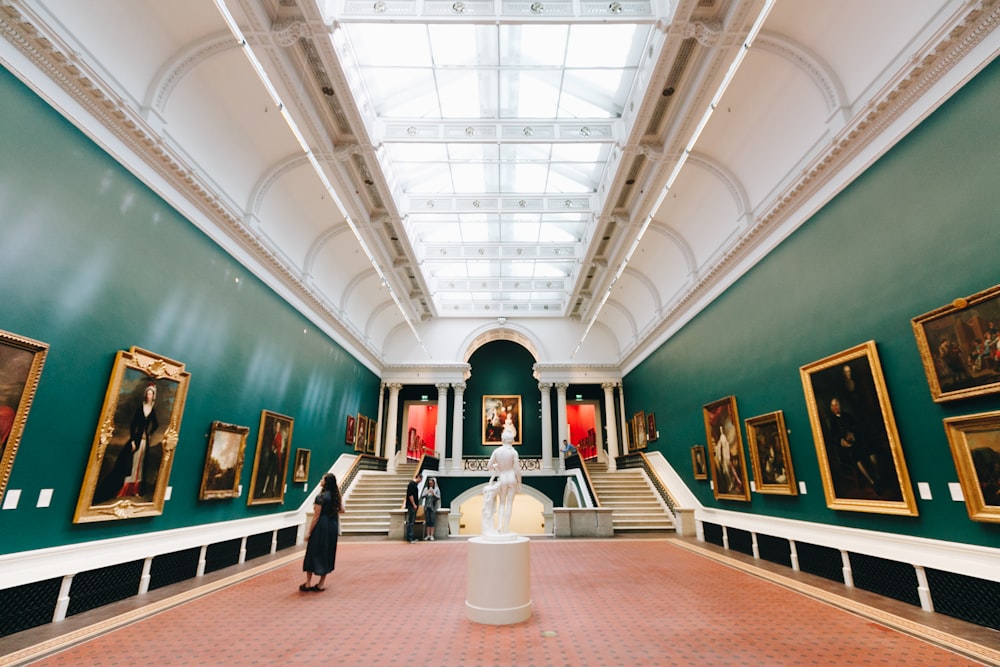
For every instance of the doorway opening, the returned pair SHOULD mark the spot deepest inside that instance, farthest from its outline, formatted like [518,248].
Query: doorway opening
[419,429]
[583,421]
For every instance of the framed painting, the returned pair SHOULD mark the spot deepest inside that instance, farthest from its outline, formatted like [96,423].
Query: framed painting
[698,462]
[497,409]
[372,433]
[960,346]
[860,456]
[130,459]
[300,471]
[351,431]
[975,446]
[769,454]
[652,435]
[21,361]
[361,437]
[639,429]
[726,459]
[223,461]
[270,465]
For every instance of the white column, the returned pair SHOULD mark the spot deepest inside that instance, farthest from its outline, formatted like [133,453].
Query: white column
[390,428]
[381,420]
[561,413]
[621,399]
[456,426]
[442,424]
[609,410]
[545,389]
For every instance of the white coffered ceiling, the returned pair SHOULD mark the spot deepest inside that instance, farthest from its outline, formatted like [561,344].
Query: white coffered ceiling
[416,176]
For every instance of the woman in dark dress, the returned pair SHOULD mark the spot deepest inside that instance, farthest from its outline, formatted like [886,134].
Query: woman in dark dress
[321,538]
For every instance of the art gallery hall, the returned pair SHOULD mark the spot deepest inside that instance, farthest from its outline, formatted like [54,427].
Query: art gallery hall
[687,309]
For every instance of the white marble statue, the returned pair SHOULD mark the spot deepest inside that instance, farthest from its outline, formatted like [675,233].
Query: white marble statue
[506,469]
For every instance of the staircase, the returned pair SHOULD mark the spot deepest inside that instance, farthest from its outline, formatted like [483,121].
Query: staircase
[372,495]
[636,504]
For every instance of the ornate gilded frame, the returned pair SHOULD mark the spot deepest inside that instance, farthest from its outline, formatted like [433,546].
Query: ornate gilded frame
[270,467]
[134,373]
[372,434]
[699,463]
[21,362]
[300,471]
[975,446]
[500,402]
[223,461]
[729,473]
[951,341]
[881,483]
[770,457]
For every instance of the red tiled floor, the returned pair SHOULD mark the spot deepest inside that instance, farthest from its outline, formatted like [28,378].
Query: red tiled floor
[611,603]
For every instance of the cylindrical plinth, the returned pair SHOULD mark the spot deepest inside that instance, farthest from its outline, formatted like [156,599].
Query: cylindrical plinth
[498,590]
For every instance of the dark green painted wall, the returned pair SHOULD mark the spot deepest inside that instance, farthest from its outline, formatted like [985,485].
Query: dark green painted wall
[919,228]
[502,368]
[94,262]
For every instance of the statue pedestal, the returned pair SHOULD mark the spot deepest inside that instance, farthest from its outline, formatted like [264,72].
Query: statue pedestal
[498,588]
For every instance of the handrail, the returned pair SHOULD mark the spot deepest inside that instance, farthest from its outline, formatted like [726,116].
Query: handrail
[630,460]
[362,462]
[577,461]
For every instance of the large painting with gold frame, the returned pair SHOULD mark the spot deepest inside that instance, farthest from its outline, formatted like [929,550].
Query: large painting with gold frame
[223,461]
[496,409]
[769,454]
[361,437]
[726,460]
[372,434]
[639,430]
[133,450]
[975,446]
[270,465]
[860,456]
[960,346]
[21,361]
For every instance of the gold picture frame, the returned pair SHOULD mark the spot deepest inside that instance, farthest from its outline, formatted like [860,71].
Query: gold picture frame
[726,459]
[133,450]
[639,430]
[372,435]
[496,409]
[975,447]
[698,462]
[860,455]
[361,437]
[960,346]
[300,471]
[270,464]
[770,457]
[21,362]
[223,461]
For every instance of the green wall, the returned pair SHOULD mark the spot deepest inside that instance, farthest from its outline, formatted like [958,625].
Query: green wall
[917,230]
[95,262]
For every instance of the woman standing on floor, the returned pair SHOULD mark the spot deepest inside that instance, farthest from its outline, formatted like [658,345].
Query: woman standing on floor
[321,538]
[431,500]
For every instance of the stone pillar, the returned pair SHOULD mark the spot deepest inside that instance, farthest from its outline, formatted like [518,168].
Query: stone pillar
[609,409]
[381,417]
[458,414]
[621,398]
[390,426]
[441,430]
[545,389]
[561,416]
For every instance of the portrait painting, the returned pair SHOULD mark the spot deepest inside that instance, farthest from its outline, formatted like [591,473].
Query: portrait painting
[21,361]
[372,433]
[770,458]
[351,431]
[652,435]
[960,346]
[497,410]
[975,446]
[639,430]
[133,450]
[223,461]
[270,465]
[361,437]
[300,471]
[860,456]
[726,459]
[698,462]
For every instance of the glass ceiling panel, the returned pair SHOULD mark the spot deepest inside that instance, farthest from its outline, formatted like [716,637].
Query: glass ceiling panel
[475,112]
